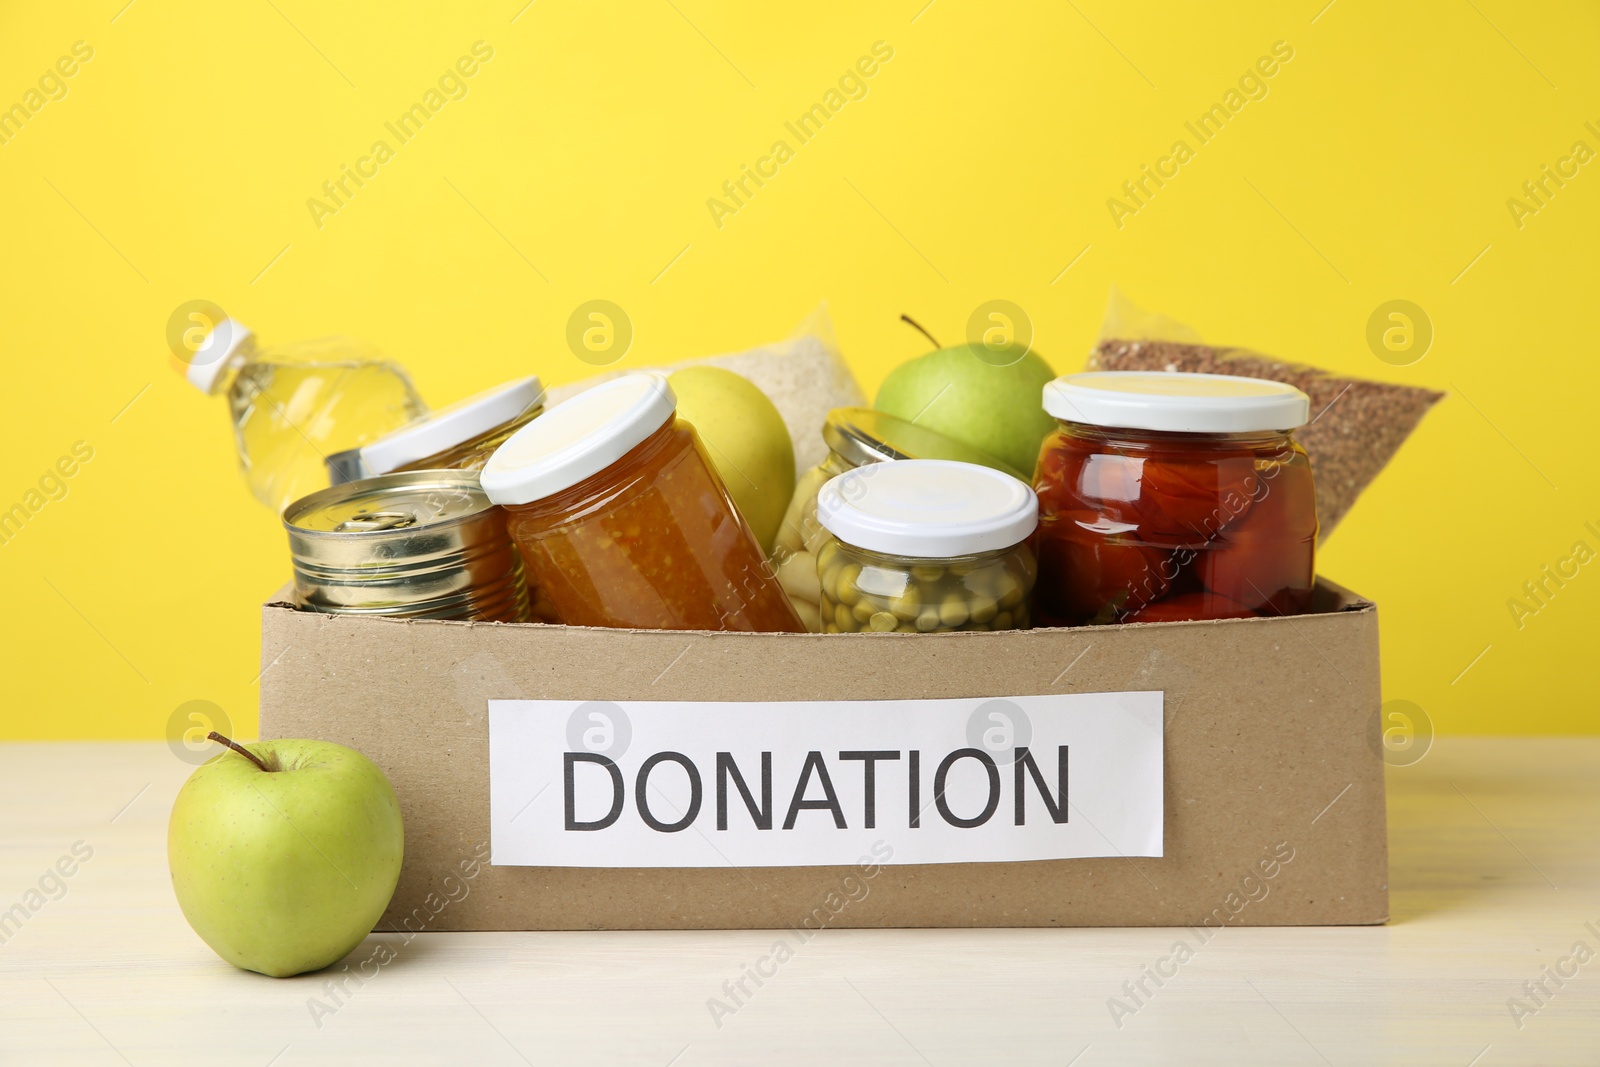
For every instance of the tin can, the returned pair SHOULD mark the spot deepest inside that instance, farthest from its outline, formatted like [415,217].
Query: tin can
[416,545]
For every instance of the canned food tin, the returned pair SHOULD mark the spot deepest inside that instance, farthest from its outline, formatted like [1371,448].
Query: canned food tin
[417,545]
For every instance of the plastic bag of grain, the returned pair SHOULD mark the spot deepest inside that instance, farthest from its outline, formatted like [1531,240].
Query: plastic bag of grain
[804,375]
[1356,425]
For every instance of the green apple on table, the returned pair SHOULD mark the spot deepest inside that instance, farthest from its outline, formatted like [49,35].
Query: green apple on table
[284,854]
[746,439]
[987,398]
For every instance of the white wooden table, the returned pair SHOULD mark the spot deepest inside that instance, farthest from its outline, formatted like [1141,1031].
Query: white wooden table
[1495,860]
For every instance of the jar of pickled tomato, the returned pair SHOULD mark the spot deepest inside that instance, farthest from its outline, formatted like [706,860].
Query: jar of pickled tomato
[622,520]
[925,546]
[855,437]
[459,436]
[1167,497]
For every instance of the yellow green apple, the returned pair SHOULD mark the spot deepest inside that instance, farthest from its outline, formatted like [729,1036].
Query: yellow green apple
[284,854]
[746,439]
[991,400]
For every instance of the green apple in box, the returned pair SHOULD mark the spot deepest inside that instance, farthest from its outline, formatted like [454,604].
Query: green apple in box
[991,400]
[284,854]
[746,439]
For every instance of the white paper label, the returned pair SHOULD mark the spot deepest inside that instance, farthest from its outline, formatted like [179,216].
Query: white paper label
[812,783]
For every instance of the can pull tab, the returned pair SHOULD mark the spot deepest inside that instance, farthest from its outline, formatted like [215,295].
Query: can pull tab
[376,520]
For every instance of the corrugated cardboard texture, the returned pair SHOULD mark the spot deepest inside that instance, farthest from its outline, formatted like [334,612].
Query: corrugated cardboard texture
[1271,744]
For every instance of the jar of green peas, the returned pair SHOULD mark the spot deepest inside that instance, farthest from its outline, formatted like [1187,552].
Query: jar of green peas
[925,546]
[856,437]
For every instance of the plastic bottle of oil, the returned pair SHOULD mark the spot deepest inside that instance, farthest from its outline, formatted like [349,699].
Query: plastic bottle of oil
[292,405]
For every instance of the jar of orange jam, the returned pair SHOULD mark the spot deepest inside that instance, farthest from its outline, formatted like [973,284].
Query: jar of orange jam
[1167,497]
[622,520]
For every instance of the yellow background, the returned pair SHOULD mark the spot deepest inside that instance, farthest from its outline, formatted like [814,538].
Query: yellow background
[179,163]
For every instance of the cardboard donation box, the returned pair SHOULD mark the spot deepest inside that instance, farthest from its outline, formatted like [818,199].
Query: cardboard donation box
[569,778]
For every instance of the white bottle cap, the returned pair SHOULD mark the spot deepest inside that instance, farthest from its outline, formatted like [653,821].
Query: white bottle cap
[578,438]
[1177,402]
[450,425]
[206,362]
[927,508]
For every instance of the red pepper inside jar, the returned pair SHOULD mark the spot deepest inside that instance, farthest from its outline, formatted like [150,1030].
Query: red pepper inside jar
[1172,497]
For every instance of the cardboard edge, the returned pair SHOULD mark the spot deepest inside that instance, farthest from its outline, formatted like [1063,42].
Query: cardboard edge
[1337,599]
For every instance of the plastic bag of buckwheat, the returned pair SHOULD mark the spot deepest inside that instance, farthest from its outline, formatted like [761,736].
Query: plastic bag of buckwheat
[1356,425]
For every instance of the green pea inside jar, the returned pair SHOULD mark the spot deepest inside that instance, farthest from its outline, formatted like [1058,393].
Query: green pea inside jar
[925,546]
[855,437]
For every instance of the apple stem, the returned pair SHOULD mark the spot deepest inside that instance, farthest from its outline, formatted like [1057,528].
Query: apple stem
[915,325]
[237,747]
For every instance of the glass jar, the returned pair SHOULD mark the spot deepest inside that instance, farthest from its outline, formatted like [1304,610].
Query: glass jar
[622,521]
[460,436]
[855,436]
[1168,497]
[925,546]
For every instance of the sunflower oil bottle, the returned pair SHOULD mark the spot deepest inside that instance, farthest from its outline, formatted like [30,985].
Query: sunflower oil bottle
[293,405]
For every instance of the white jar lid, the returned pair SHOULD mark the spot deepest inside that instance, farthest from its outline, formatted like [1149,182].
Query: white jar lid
[1177,402]
[578,438]
[450,425]
[927,508]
